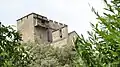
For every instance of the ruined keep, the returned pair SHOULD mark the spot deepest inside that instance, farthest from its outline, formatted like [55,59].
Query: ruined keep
[35,27]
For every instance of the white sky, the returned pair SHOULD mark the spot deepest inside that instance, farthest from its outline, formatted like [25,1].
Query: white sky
[75,13]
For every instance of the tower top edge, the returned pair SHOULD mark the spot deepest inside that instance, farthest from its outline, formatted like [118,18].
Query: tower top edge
[29,15]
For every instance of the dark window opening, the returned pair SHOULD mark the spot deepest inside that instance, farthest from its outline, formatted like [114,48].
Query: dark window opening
[60,33]
[61,36]
[40,36]
[49,36]
[27,17]
[43,21]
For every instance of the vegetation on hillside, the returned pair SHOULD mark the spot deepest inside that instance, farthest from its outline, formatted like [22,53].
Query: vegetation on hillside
[45,55]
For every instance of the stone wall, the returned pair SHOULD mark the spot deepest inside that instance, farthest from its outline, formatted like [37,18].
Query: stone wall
[72,36]
[57,35]
[26,28]
[40,34]
[60,43]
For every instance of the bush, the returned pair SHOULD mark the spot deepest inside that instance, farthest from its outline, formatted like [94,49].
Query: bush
[46,55]
[102,48]
[12,53]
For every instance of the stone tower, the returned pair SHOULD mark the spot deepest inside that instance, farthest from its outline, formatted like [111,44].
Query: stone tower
[35,27]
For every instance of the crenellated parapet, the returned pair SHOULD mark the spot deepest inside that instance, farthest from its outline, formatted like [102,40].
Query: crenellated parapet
[56,25]
[37,16]
[43,21]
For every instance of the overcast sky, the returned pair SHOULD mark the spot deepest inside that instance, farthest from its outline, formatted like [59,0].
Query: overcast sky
[75,13]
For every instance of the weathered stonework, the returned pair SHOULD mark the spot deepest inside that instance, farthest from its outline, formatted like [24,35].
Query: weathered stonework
[35,27]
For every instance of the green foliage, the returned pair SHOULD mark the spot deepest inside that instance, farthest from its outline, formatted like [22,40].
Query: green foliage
[102,48]
[45,55]
[12,53]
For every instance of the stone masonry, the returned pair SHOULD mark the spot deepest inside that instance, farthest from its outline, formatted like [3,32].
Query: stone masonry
[35,27]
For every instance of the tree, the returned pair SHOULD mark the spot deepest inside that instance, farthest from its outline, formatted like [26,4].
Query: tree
[102,48]
[12,53]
